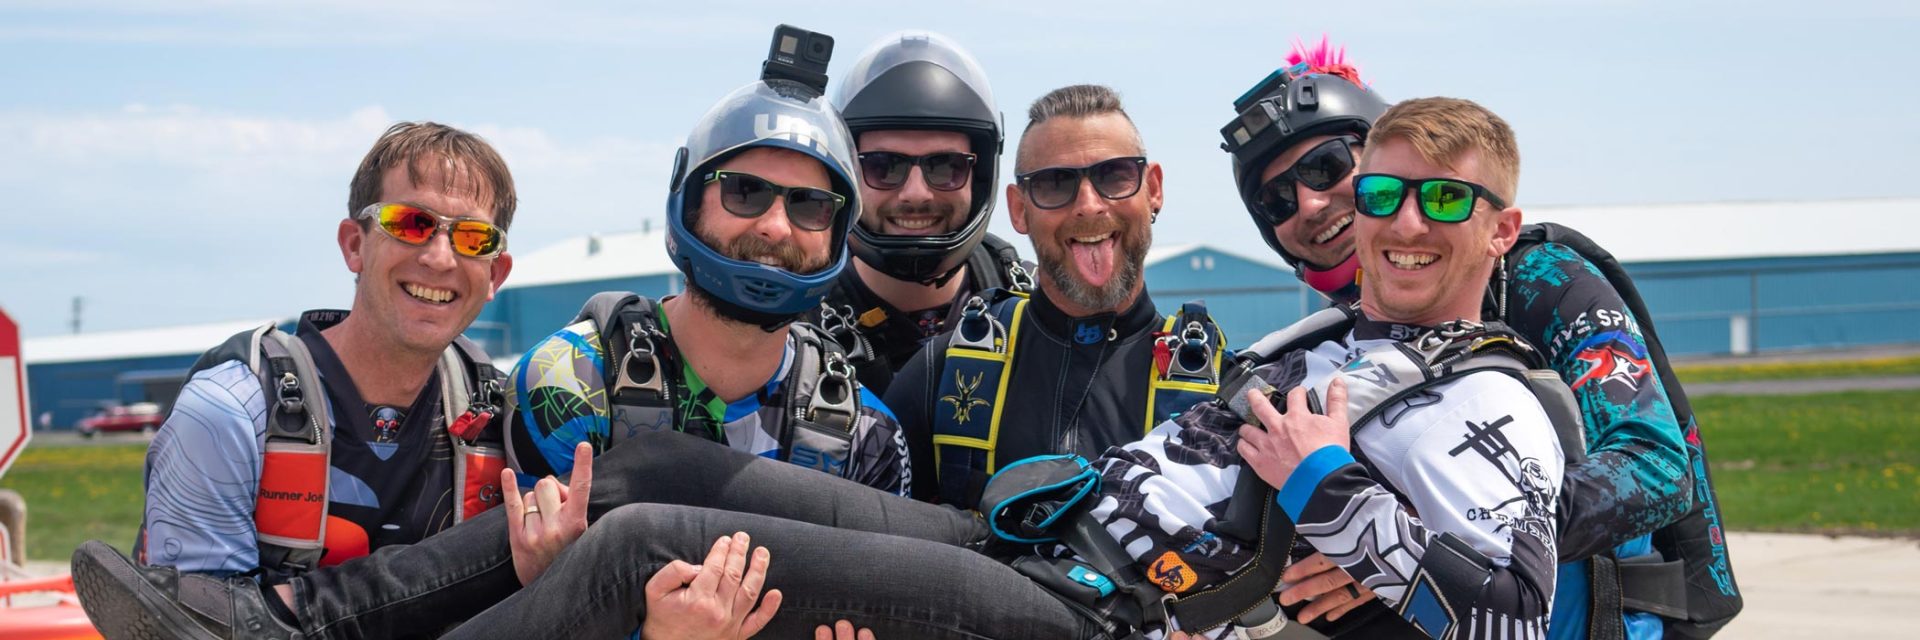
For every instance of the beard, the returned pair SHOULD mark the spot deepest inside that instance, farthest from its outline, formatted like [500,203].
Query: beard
[1130,254]
[752,248]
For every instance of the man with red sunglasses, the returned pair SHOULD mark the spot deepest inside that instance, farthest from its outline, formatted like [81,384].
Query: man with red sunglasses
[1295,146]
[365,428]
[929,139]
[759,212]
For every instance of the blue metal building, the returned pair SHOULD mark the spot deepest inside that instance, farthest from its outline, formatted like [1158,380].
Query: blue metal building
[1721,278]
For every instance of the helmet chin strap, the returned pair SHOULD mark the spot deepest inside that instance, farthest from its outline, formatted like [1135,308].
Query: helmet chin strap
[1331,280]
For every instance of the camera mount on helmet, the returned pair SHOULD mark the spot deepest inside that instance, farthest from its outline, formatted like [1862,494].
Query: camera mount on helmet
[778,112]
[924,81]
[1290,105]
[798,55]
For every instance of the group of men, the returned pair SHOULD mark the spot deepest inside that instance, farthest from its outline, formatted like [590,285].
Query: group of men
[847,314]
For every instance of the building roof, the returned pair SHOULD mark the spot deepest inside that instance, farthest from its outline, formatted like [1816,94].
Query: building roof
[593,257]
[1158,254]
[1719,230]
[142,343]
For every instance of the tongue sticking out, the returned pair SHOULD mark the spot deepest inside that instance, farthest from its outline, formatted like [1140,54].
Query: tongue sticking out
[1094,260]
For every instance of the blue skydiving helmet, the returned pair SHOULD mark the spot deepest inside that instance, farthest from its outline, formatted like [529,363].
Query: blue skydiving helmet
[770,113]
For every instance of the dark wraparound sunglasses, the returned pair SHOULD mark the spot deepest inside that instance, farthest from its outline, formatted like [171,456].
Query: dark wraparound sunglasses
[747,196]
[1056,187]
[1318,169]
[886,170]
[1441,199]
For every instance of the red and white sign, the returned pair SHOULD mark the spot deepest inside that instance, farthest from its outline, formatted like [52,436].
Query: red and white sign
[14,428]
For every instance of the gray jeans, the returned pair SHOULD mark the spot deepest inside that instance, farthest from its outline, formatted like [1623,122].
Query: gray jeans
[899,587]
[840,549]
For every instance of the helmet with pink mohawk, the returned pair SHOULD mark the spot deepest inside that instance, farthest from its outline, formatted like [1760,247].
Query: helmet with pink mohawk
[1317,93]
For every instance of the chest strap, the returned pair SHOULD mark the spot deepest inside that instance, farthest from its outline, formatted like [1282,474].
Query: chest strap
[290,514]
[291,510]
[1188,353]
[969,403]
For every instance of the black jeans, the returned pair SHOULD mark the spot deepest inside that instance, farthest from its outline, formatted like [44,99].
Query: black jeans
[899,587]
[422,589]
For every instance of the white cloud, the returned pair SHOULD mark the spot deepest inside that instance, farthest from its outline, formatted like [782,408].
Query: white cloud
[178,207]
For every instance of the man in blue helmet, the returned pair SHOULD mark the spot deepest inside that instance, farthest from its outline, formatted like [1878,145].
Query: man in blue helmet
[762,200]
[929,137]
[1295,144]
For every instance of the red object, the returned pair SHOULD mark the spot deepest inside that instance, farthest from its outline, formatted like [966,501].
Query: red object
[1162,355]
[345,541]
[53,622]
[139,416]
[468,425]
[293,494]
[14,432]
[483,483]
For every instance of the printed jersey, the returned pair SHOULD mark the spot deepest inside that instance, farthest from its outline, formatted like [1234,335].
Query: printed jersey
[390,481]
[1475,457]
[558,399]
[1634,479]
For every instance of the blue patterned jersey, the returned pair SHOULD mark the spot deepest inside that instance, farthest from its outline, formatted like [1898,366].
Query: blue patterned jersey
[558,399]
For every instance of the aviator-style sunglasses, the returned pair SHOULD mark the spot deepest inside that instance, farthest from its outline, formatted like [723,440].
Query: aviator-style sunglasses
[416,225]
[1056,187]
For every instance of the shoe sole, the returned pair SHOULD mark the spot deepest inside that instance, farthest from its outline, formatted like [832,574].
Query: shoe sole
[121,603]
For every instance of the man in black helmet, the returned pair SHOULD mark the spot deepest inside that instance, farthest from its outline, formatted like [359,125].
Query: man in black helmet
[929,140]
[1295,144]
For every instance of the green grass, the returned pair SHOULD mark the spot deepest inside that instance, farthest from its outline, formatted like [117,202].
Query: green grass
[1869,367]
[78,493]
[1836,462]
[1839,462]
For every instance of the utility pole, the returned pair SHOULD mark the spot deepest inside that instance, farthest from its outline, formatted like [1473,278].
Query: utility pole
[76,314]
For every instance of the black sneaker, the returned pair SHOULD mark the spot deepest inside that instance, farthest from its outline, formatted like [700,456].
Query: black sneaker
[142,603]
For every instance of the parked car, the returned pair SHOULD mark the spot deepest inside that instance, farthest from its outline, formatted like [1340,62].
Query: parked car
[139,416]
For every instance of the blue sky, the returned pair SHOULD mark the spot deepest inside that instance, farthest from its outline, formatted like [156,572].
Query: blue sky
[185,162]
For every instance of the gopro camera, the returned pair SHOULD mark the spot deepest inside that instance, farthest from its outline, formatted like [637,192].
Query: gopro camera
[798,55]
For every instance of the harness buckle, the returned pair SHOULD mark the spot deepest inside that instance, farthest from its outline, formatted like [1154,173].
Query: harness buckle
[978,329]
[832,402]
[289,395]
[640,379]
[1193,353]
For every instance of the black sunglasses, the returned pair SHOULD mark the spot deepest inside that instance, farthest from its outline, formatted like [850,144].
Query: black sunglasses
[1441,199]
[747,196]
[1055,187]
[886,170]
[1318,169]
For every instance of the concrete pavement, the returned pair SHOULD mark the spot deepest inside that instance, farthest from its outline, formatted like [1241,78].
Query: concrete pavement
[1807,586]
[1796,586]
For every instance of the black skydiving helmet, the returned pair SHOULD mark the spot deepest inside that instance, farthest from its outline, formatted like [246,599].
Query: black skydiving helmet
[923,80]
[1290,105]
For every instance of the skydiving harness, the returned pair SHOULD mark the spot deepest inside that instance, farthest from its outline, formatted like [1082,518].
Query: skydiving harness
[1695,593]
[1043,499]
[290,515]
[969,409]
[818,398]
[999,267]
